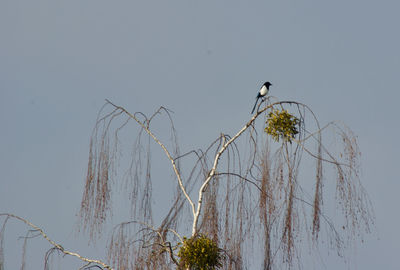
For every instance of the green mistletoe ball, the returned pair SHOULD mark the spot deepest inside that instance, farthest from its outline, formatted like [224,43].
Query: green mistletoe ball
[282,125]
[200,253]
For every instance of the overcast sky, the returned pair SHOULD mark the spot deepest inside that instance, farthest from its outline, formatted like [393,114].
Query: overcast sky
[205,60]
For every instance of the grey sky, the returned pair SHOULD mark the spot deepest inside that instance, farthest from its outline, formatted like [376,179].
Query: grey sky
[205,60]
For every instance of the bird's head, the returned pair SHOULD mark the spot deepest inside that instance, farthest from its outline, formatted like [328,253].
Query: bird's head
[267,84]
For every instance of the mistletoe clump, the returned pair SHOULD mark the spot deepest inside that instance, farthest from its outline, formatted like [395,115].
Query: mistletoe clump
[200,253]
[282,125]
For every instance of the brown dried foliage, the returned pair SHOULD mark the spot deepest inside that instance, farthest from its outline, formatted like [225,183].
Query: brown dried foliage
[256,192]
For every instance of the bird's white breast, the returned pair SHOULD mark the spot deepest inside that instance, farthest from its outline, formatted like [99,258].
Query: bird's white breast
[263,90]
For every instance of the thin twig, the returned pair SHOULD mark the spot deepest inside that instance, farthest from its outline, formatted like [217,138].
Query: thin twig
[174,165]
[56,245]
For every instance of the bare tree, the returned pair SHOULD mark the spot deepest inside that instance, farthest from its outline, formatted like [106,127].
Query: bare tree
[238,188]
[255,190]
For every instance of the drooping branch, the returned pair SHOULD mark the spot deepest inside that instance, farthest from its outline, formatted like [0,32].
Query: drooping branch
[169,156]
[225,144]
[56,245]
[227,211]
[149,250]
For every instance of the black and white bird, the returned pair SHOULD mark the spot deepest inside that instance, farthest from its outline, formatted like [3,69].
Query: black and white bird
[262,93]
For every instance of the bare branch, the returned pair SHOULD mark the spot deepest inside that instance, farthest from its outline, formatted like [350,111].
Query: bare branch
[224,146]
[231,212]
[56,245]
[174,165]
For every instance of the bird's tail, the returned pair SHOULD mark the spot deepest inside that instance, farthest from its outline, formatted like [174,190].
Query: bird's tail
[252,111]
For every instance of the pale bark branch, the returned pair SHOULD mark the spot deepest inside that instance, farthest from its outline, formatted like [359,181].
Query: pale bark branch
[169,156]
[224,146]
[56,245]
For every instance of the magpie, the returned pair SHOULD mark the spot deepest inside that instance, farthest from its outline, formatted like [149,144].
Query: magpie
[262,93]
